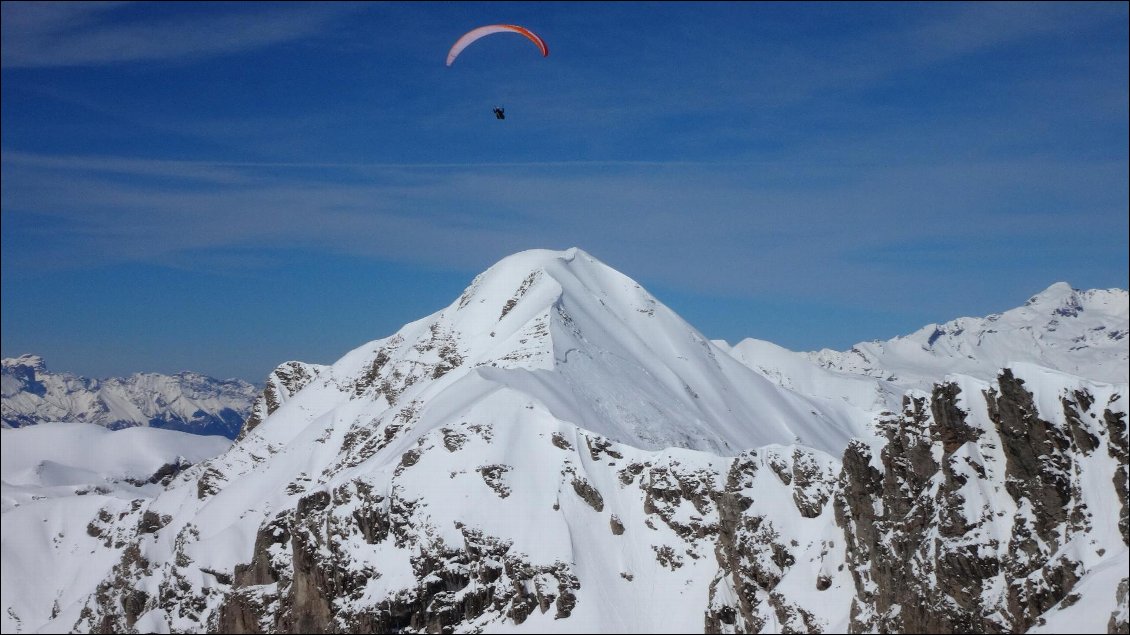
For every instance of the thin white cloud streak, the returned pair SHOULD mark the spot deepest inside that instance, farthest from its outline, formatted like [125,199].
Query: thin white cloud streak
[735,230]
[770,74]
[44,34]
[216,170]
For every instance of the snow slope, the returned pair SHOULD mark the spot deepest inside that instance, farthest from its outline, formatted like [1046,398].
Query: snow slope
[57,481]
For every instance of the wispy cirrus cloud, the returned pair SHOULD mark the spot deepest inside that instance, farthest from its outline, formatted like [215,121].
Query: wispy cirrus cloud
[729,228]
[45,34]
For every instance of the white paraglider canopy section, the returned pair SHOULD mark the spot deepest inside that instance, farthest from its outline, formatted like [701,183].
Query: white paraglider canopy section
[475,34]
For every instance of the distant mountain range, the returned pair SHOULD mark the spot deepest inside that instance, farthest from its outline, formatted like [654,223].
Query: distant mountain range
[557,451]
[189,402]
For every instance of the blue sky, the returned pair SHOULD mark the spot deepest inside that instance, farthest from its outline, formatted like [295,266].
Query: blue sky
[223,187]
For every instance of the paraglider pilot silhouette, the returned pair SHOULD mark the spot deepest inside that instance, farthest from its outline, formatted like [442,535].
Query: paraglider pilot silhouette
[474,34]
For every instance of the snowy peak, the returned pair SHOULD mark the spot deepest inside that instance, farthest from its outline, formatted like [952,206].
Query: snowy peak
[1083,333]
[579,342]
[1062,300]
[528,286]
[1058,295]
[32,362]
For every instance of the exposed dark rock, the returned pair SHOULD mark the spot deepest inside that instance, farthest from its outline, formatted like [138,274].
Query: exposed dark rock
[811,486]
[456,583]
[752,555]
[453,440]
[284,381]
[494,477]
[599,445]
[560,441]
[922,555]
[209,483]
[1037,461]
[1119,449]
[164,474]
[823,583]
[588,493]
[151,522]
[1118,619]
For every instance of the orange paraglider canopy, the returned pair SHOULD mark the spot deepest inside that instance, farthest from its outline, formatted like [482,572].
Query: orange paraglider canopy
[483,31]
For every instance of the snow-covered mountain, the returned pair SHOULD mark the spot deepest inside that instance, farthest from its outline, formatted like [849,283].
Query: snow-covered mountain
[189,402]
[1082,333]
[557,451]
[58,480]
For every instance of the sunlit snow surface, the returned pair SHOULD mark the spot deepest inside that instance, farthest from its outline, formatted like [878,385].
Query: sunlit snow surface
[552,377]
[55,479]
[1083,333]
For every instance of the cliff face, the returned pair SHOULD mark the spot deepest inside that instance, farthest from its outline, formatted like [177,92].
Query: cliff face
[983,506]
[738,536]
[980,508]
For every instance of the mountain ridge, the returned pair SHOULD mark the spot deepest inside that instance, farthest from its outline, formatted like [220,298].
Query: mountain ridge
[1083,333]
[513,462]
[187,401]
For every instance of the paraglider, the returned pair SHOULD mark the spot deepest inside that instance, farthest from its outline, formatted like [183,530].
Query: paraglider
[474,35]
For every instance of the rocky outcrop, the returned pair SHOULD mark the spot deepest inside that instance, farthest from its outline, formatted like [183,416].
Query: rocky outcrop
[283,382]
[962,520]
[305,578]
[966,515]
[754,549]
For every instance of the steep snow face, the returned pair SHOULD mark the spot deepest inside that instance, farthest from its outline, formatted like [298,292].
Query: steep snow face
[591,347]
[186,401]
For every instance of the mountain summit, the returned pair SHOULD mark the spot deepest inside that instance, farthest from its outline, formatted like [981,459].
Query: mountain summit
[557,451]
[583,344]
